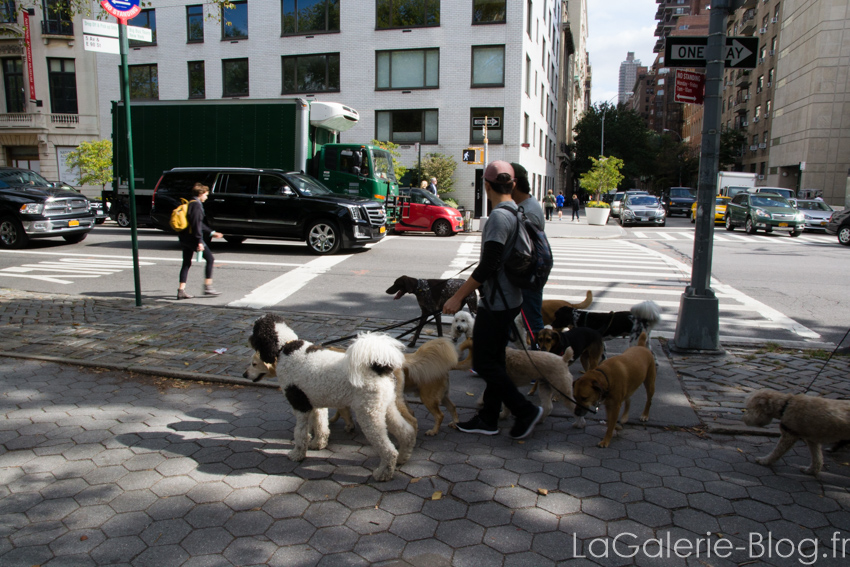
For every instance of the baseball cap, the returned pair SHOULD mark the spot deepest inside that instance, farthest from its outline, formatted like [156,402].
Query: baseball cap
[497,168]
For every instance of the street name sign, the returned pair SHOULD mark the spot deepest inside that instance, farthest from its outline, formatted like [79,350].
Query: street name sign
[103,36]
[690,87]
[101,44]
[689,51]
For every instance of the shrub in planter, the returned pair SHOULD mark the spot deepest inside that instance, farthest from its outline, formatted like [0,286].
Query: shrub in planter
[597,205]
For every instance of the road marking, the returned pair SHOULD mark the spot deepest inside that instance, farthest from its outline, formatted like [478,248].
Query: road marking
[66,270]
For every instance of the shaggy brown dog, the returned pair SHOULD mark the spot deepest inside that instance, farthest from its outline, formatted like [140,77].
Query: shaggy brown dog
[586,343]
[426,371]
[813,419]
[613,382]
[431,295]
[550,306]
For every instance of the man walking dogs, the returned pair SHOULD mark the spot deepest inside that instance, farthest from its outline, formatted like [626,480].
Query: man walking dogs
[500,304]
[192,240]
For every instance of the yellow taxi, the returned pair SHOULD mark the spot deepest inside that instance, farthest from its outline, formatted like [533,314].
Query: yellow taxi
[719,209]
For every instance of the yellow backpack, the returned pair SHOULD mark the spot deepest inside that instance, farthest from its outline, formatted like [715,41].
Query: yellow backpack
[179,220]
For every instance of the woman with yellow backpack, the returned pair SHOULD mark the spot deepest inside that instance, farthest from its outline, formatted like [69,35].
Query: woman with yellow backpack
[194,240]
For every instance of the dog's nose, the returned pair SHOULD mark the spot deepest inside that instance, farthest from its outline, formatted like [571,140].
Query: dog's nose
[245,374]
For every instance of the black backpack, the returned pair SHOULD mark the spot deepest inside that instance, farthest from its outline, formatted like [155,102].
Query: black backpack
[530,260]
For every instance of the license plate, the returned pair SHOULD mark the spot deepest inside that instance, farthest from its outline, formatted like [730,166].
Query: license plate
[73,223]
[783,224]
[383,229]
[823,224]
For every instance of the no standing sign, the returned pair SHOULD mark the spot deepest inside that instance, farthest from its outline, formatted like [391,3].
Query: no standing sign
[122,9]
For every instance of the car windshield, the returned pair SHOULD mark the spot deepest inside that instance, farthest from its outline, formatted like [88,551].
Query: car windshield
[642,200]
[770,201]
[22,178]
[813,206]
[308,186]
[383,165]
[721,201]
[787,193]
[424,198]
[683,192]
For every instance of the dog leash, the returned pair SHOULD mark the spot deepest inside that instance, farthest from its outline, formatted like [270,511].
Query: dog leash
[387,328]
[827,361]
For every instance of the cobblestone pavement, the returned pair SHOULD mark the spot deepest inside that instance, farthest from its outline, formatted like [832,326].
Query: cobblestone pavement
[103,466]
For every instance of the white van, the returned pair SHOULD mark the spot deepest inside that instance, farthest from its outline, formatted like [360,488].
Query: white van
[787,193]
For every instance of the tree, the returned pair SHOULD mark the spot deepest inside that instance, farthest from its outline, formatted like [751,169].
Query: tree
[604,175]
[94,160]
[731,142]
[399,169]
[443,168]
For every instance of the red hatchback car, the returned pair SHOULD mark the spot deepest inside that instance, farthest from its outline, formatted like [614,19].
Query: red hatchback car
[420,211]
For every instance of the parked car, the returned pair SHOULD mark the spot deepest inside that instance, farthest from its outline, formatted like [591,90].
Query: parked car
[31,207]
[273,204]
[645,209]
[720,203]
[766,212]
[100,213]
[617,200]
[839,224]
[678,200]
[421,211]
[787,193]
[815,212]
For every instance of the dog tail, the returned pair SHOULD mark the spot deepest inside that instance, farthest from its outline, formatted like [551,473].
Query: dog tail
[432,361]
[466,363]
[568,355]
[588,299]
[648,312]
[642,340]
[373,354]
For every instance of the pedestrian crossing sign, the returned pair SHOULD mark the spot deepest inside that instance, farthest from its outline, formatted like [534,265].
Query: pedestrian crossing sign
[472,156]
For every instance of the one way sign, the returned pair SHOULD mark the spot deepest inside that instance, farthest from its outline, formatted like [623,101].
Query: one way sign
[739,53]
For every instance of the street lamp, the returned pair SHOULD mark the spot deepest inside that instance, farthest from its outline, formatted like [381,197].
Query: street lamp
[680,156]
[604,110]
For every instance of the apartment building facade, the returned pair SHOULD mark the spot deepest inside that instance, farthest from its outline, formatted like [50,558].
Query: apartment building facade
[418,71]
[48,104]
[628,75]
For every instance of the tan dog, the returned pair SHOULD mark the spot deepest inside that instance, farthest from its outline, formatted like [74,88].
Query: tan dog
[813,419]
[426,371]
[613,382]
[550,306]
[551,371]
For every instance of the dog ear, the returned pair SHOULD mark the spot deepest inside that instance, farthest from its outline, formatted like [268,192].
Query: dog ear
[264,338]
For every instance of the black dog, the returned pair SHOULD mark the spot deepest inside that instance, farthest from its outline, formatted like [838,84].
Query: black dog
[642,318]
[586,343]
[431,295]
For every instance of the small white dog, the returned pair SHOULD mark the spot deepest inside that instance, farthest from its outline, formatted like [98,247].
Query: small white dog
[314,378]
[813,419]
[462,326]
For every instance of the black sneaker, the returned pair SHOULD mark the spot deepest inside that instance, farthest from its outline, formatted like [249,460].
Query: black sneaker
[476,425]
[523,426]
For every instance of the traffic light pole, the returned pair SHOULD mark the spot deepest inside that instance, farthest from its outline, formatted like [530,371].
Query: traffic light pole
[698,324]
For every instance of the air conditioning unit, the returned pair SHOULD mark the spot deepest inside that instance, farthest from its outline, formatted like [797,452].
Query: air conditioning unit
[756,119]
[761,59]
[768,85]
[761,177]
[771,52]
[758,90]
[774,20]
[763,146]
[754,148]
[762,30]
[745,123]
[746,97]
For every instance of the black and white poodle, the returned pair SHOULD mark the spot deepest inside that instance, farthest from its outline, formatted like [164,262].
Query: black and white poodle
[313,378]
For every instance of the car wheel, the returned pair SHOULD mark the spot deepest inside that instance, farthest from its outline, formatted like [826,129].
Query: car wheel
[620,220]
[663,224]
[100,221]
[442,228]
[728,222]
[768,230]
[323,237]
[796,232]
[232,239]
[750,227]
[75,238]
[844,235]
[123,219]
[12,234]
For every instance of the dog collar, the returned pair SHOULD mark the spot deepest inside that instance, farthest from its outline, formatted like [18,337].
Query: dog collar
[608,385]
[782,427]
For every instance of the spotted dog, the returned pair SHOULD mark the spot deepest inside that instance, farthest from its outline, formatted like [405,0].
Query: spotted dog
[431,295]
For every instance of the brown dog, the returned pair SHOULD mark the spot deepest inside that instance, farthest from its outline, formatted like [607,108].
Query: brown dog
[613,382]
[550,306]
[426,371]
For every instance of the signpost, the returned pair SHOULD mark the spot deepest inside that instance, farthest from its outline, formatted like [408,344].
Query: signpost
[690,87]
[690,51]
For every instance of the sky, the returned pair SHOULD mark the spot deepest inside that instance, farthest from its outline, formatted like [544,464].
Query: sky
[616,27]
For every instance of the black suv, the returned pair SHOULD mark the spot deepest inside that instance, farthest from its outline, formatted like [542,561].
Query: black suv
[839,224]
[678,200]
[31,207]
[271,203]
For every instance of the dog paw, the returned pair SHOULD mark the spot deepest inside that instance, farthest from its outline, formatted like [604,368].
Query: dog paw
[763,460]
[618,427]
[383,474]
[644,418]
[603,444]
[579,423]
[810,470]
[318,444]
[296,455]
[432,432]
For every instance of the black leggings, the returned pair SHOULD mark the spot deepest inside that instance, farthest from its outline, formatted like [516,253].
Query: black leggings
[188,253]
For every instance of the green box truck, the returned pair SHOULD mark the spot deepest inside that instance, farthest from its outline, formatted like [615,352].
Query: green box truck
[292,134]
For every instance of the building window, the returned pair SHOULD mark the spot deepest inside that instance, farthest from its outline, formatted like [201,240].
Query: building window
[310,16]
[488,65]
[234,73]
[197,80]
[528,20]
[407,13]
[525,129]
[13,83]
[407,126]
[234,22]
[8,15]
[57,18]
[311,73]
[144,82]
[195,24]
[62,77]
[770,77]
[146,19]
[489,11]
[527,75]
[767,108]
[407,69]
[495,123]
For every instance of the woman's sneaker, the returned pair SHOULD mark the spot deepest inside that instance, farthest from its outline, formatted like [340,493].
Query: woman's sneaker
[523,426]
[476,425]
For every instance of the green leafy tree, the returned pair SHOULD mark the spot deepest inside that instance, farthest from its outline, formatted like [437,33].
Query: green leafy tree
[443,168]
[731,142]
[399,169]
[604,175]
[94,160]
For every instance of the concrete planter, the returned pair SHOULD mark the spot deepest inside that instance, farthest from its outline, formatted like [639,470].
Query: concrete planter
[597,216]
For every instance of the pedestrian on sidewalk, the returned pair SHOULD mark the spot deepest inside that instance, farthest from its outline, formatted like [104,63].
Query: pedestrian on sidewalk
[532,299]
[559,201]
[576,204]
[549,204]
[500,303]
[195,238]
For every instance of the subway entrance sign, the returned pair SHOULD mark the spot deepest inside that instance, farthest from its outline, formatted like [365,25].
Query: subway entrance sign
[684,51]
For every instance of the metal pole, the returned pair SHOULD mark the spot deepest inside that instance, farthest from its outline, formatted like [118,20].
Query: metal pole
[698,326]
[602,146]
[131,182]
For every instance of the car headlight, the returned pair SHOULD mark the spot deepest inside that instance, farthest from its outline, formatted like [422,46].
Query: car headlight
[354,211]
[802,217]
[761,213]
[32,208]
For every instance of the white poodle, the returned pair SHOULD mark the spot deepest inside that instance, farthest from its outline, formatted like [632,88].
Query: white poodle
[462,325]
[314,378]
